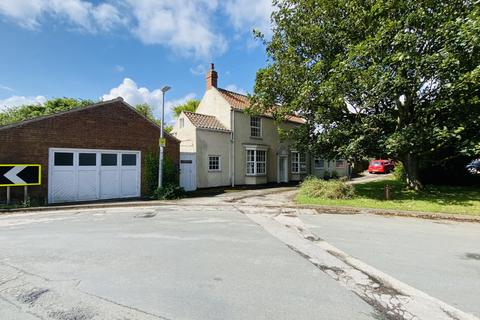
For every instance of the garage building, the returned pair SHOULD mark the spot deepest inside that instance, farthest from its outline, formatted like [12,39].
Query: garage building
[88,153]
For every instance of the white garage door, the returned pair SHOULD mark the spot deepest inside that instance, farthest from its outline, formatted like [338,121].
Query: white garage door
[83,175]
[188,173]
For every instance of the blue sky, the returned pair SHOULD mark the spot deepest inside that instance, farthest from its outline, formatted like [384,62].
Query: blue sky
[105,48]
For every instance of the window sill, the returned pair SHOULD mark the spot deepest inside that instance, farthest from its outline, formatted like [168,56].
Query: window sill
[256,175]
[303,172]
[214,170]
[256,138]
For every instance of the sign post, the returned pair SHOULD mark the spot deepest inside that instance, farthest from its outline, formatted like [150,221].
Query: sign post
[16,175]
[8,196]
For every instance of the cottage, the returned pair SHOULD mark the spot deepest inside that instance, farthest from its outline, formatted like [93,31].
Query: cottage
[90,153]
[222,145]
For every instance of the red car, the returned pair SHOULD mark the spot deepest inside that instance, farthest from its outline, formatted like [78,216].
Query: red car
[381,166]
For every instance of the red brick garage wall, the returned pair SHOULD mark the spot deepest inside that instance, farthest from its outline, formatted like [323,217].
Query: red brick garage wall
[110,125]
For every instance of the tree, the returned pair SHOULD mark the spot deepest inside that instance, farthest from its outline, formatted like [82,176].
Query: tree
[25,112]
[190,106]
[398,79]
[147,111]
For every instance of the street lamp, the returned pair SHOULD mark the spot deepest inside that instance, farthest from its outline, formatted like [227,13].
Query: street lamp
[160,168]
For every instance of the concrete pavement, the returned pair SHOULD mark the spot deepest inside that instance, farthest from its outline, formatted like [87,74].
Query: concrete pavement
[235,261]
[441,258]
[160,263]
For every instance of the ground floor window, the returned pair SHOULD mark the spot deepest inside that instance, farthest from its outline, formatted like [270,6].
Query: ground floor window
[340,164]
[319,163]
[256,162]
[299,163]
[213,163]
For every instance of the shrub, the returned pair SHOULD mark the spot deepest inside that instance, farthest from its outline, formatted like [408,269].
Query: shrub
[399,172]
[151,171]
[334,189]
[171,172]
[334,174]
[169,192]
[326,175]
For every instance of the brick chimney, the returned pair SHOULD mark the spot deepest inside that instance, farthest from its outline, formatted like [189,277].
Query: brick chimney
[212,77]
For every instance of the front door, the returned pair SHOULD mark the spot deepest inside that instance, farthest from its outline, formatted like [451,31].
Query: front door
[282,169]
[188,173]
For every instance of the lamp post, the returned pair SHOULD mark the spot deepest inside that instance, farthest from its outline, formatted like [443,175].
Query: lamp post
[160,168]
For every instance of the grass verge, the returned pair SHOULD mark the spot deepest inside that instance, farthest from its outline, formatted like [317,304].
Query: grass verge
[445,199]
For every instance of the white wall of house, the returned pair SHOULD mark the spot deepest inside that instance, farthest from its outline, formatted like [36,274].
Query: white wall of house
[215,144]
[186,134]
[269,140]
[214,104]
[233,156]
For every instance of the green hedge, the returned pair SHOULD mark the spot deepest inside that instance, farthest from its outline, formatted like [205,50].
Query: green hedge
[171,172]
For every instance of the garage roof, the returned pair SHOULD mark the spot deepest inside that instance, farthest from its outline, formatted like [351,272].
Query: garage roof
[78,109]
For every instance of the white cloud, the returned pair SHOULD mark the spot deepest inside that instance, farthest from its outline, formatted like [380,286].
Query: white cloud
[15,101]
[134,95]
[199,70]
[79,13]
[185,26]
[234,88]
[24,12]
[119,68]
[246,15]
[189,27]
[6,88]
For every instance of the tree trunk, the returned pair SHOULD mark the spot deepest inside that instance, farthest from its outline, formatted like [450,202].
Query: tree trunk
[411,171]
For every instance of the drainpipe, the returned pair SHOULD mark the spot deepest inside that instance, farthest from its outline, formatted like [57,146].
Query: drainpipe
[232,145]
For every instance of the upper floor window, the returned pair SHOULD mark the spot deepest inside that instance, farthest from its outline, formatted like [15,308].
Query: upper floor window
[214,163]
[255,126]
[319,163]
[299,163]
[256,162]
[181,122]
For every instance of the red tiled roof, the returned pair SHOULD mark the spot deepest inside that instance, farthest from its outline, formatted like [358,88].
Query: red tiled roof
[205,121]
[241,102]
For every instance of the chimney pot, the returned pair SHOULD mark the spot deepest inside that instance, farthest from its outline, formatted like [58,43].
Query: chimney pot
[212,77]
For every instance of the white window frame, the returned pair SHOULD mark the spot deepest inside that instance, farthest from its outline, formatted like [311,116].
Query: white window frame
[219,163]
[315,163]
[259,126]
[296,159]
[255,161]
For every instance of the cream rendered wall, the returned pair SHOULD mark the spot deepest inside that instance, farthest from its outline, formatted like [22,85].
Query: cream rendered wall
[216,143]
[215,105]
[271,139]
[187,134]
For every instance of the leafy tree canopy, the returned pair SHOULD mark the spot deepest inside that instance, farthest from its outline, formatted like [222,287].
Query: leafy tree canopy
[377,78]
[147,111]
[25,112]
[191,106]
